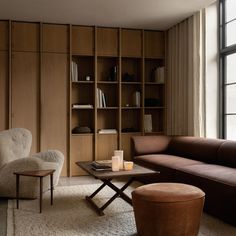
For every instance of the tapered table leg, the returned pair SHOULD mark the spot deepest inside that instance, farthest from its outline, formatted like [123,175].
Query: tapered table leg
[51,183]
[17,190]
[41,194]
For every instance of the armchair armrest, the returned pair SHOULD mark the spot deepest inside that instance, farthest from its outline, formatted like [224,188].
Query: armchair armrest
[142,145]
[8,179]
[54,159]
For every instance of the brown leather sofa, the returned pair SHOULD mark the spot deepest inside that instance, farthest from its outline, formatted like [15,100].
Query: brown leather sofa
[209,164]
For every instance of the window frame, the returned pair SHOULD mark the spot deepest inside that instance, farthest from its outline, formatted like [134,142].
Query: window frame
[224,51]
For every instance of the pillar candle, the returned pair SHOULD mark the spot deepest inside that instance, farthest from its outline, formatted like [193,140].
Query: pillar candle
[120,154]
[115,163]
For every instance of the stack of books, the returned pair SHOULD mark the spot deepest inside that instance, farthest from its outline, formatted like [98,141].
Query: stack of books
[101,99]
[74,72]
[101,166]
[107,131]
[82,106]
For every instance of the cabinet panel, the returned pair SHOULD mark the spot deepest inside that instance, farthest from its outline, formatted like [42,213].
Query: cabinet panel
[4,35]
[55,38]
[106,144]
[107,42]
[82,149]
[154,44]
[3,90]
[131,43]
[83,40]
[54,97]
[25,75]
[25,36]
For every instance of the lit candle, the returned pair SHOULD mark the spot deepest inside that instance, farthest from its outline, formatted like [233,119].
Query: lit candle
[115,163]
[128,165]
[120,154]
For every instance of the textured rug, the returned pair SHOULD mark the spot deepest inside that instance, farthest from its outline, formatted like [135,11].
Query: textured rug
[71,216]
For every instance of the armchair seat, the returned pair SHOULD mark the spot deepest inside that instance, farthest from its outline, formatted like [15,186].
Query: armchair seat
[14,156]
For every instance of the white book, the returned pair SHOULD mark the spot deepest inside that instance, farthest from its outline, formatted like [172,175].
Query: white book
[98,100]
[82,106]
[107,131]
[104,100]
[148,123]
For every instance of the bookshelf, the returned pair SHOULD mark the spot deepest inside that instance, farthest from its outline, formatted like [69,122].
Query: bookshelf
[121,71]
[122,63]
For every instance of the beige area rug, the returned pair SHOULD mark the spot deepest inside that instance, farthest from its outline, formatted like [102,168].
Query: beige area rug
[71,216]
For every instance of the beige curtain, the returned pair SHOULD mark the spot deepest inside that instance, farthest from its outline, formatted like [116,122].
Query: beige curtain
[185,80]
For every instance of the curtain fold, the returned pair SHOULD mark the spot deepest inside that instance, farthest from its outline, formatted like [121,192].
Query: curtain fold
[185,80]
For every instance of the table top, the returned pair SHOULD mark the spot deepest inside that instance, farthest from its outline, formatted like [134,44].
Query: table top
[35,173]
[137,171]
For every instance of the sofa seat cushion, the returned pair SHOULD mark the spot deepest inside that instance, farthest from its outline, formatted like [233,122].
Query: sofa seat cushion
[166,161]
[222,174]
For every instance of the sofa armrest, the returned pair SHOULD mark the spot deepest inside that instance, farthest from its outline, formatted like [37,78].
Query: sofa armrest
[142,145]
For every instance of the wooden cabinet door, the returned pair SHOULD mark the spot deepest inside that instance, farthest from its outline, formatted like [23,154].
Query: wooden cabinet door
[25,36]
[154,44]
[106,144]
[3,35]
[3,90]
[25,76]
[131,43]
[107,42]
[54,103]
[83,40]
[82,149]
[55,38]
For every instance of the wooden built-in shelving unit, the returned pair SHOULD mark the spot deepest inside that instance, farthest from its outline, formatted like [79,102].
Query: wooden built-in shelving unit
[37,92]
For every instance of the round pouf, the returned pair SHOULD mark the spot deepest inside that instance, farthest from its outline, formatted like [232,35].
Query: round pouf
[168,209]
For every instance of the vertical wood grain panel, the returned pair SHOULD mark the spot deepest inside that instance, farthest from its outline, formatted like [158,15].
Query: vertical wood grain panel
[131,43]
[25,36]
[55,38]
[107,42]
[83,40]
[106,144]
[3,35]
[3,90]
[54,97]
[25,75]
[154,44]
[81,150]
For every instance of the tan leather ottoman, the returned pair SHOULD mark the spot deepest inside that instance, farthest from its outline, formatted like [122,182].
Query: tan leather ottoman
[168,209]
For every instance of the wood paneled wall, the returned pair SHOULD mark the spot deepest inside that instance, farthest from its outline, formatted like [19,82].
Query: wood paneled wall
[34,77]
[4,82]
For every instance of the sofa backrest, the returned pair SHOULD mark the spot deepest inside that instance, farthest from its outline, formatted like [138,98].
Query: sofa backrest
[201,149]
[227,154]
[14,143]
[142,145]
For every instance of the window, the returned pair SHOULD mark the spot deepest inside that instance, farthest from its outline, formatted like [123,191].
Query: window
[228,68]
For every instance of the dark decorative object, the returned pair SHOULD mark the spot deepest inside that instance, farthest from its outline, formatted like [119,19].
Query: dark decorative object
[130,129]
[152,102]
[81,130]
[113,74]
[128,78]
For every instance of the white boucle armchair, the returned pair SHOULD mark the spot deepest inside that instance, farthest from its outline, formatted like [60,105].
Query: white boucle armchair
[15,147]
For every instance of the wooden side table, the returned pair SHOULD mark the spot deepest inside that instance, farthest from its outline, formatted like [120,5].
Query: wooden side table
[40,174]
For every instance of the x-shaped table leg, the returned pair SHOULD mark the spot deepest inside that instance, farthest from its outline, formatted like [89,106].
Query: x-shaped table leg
[119,193]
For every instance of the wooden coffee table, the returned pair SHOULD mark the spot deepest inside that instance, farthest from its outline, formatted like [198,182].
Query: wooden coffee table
[107,176]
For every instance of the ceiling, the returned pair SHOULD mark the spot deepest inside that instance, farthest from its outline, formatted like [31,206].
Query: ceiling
[146,14]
